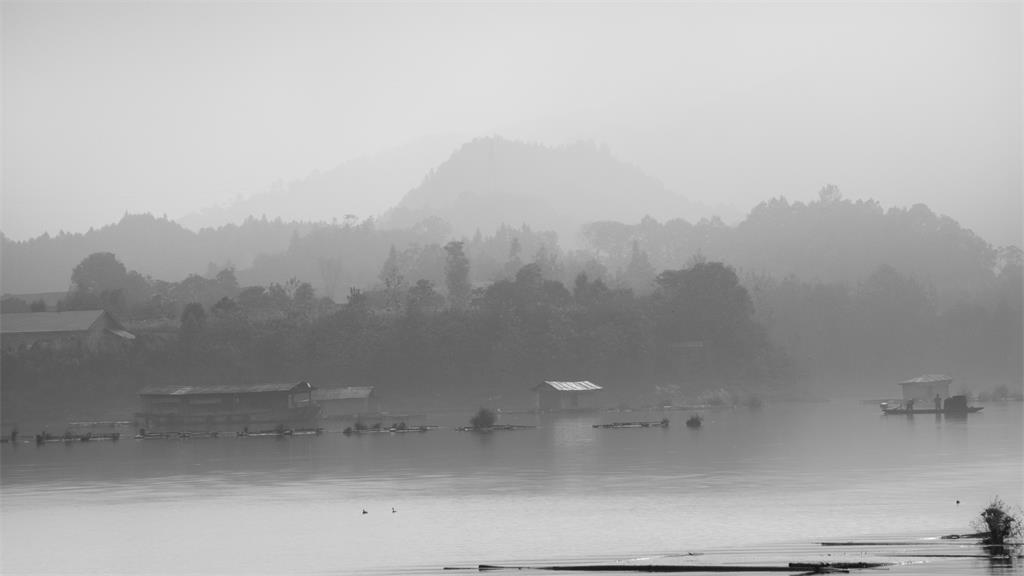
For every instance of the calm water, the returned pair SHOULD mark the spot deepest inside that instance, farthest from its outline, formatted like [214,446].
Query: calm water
[783,473]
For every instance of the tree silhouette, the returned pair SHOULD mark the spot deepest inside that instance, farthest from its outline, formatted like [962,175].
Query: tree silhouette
[456,274]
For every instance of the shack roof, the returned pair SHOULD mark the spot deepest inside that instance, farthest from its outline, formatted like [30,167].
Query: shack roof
[227,389]
[347,393]
[580,386]
[928,379]
[67,321]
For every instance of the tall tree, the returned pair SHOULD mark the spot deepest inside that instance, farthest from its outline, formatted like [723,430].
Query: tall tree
[638,275]
[394,281]
[515,261]
[456,275]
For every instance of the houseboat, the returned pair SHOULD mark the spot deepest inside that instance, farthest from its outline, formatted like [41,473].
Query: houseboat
[228,407]
[928,394]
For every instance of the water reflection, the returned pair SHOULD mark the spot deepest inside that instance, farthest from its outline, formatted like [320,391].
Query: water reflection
[563,489]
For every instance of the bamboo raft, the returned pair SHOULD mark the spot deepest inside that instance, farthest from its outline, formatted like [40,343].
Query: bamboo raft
[280,432]
[494,428]
[46,438]
[657,424]
[953,554]
[143,435]
[805,568]
[396,429]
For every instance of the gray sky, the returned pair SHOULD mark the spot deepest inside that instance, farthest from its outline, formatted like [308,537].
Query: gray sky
[171,107]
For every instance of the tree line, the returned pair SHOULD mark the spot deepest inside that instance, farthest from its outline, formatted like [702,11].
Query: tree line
[838,296]
[421,343]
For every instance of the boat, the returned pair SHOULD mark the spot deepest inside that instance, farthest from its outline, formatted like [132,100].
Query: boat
[694,421]
[952,406]
[932,391]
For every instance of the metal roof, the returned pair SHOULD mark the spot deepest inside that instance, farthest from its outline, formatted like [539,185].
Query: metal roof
[580,386]
[928,379]
[227,389]
[348,393]
[42,322]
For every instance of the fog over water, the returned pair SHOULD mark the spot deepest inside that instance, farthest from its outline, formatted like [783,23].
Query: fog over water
[682,252]
[563,492]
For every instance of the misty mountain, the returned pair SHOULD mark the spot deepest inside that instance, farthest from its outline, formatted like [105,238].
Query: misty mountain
[363,187]
[491,181]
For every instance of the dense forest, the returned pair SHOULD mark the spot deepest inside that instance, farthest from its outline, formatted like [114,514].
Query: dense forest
[660,312]
[452,298]
[450,345]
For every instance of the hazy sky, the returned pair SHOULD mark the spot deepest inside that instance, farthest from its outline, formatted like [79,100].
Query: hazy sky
[171,107]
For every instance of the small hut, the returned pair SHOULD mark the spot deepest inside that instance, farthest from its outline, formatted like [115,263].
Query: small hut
[924,389]
[555,396]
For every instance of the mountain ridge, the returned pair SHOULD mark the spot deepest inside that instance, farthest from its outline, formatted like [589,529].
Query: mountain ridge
[492,181]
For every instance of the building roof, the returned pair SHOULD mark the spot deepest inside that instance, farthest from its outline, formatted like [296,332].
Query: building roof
[928,379]
[581,386]
[45,322]
[348,393]
[227,389]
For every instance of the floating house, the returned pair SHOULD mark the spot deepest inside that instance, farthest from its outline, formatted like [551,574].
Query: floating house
[929,394]
[228,407]
[88,331]
[924,389]
[345,402]
[555,396]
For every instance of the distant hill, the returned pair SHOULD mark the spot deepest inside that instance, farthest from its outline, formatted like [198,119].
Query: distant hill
[364,187]
[491,181]
[153,246]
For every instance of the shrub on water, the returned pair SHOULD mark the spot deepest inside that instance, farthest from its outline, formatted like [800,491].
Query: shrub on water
[999,523]
[484,419]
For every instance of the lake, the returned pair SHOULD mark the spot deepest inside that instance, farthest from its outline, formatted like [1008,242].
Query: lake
[768,478]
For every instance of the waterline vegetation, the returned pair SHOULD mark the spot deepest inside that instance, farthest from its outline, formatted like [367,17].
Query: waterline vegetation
[1001,527]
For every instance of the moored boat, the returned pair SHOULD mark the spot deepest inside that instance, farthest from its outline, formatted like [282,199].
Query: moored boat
[932,392]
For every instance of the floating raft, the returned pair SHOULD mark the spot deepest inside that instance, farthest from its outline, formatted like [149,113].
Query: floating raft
[807,568]
[390,430]
[494,428]
[45,438]
[277,433]
[658,424]
[175,435]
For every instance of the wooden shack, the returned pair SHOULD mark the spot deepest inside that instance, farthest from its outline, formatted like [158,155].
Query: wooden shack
[228,407]
[555,396]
